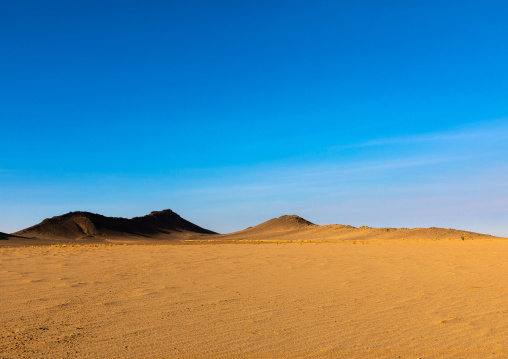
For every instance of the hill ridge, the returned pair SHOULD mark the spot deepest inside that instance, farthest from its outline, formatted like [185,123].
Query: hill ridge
[294,227]
[79,224]
[166,224]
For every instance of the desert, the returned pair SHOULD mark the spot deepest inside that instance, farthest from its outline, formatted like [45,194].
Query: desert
[160,286]
[336,173]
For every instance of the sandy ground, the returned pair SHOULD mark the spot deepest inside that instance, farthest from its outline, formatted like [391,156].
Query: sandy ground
[348,299]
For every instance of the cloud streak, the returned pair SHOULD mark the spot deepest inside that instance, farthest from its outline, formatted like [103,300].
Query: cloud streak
[491,130]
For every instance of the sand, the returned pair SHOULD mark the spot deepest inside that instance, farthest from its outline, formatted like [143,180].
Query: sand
[315,299]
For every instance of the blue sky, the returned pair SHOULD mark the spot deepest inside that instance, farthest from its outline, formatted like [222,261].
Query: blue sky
[379,113]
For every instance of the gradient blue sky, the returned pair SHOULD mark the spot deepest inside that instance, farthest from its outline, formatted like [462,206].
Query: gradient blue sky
[379,113]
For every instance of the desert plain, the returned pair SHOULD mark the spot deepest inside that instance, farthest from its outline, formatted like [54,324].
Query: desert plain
[283,289]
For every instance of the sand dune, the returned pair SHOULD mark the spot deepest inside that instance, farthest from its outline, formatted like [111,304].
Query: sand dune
[89,225]
[288,225]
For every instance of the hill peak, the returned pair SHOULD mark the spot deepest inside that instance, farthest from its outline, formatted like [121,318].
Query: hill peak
[292,218]
[163,213]
[282,223]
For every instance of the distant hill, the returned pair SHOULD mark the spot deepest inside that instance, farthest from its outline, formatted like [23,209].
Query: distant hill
[85,224]
[337,231]
[287,225]
[294,227]
[282,223]
[6,236]
[167,224]
[3,236]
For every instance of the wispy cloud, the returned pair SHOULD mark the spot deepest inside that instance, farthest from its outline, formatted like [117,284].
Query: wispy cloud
[333,169]
[310,179]
[490,130]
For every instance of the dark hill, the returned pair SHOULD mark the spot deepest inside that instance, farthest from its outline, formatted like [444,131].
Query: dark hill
[6,236]
[85,224]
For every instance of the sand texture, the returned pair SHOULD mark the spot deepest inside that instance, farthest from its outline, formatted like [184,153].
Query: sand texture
[315,299]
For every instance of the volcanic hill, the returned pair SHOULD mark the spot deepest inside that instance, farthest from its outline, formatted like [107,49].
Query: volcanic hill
[4,236]
[76,225]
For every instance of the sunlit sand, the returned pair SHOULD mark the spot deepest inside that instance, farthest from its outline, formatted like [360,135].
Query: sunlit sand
[343,299]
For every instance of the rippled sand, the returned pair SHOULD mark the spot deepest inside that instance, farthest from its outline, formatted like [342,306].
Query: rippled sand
[347,299]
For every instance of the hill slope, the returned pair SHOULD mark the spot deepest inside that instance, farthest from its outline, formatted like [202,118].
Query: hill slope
[282,223]
[85,224]
[296,228]
[287,225]
[4,236]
